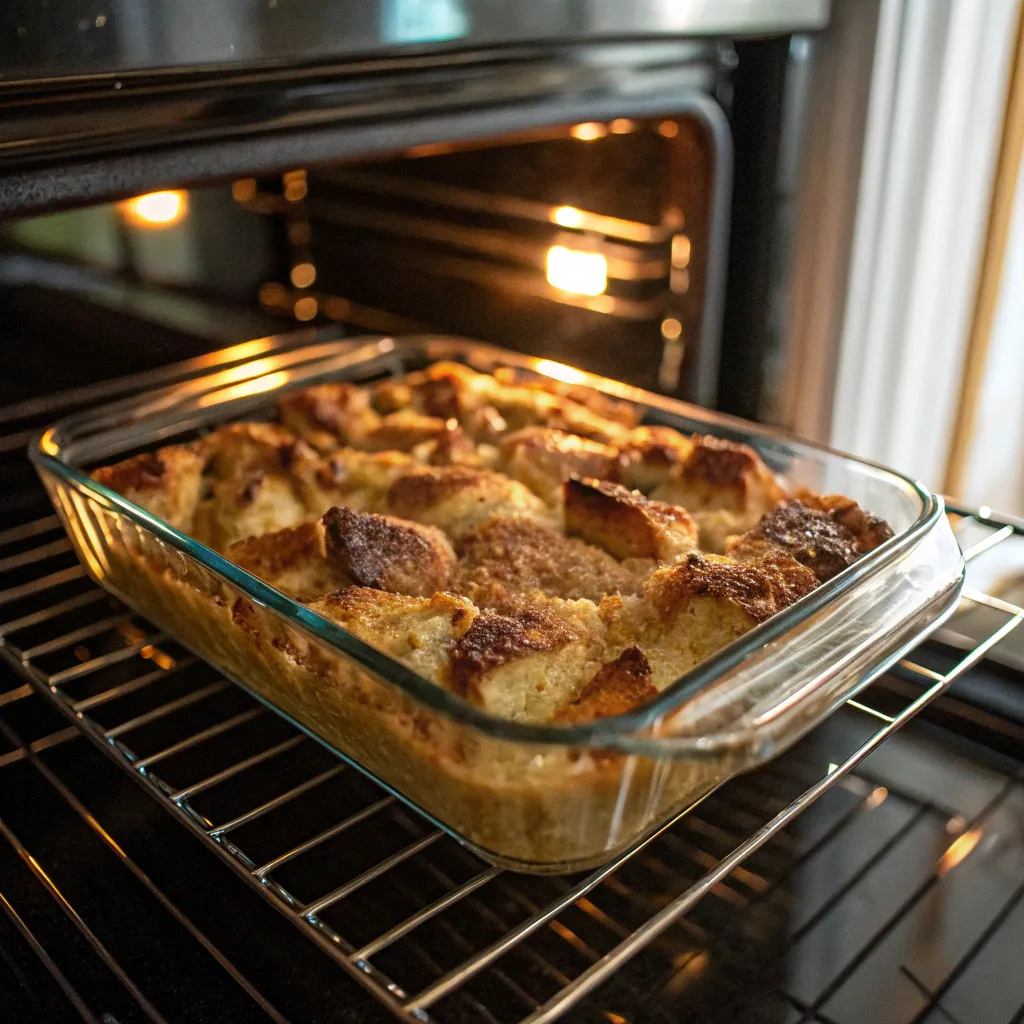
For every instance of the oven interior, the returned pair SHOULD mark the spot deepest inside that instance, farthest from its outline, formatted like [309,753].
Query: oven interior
[161,833]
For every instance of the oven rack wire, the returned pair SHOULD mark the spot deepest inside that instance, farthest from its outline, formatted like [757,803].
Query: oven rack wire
[95,666]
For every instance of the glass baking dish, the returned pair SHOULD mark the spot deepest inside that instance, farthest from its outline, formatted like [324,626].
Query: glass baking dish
[542,798]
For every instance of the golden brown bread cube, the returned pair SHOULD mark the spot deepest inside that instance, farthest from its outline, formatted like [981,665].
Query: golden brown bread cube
[625,523]
[168,482]
[349,548]
[820,538]
[328,416]
[458,499]
[526,664]
[690,610]
[293,560]
[403,430]
[350,477]
[420,632]
[651,456]
[621,685]
[510,556]
[725,487]
[387,553]
[543,459]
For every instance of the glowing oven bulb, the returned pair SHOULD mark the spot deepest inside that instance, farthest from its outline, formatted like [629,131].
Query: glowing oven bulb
[156,209]
[582,273]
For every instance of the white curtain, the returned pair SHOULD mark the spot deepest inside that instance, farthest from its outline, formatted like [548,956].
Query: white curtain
[935,119]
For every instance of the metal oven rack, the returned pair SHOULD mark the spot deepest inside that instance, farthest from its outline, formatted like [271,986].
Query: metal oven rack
[422,925]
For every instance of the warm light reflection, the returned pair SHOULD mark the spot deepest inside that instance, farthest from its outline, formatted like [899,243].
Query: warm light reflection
[568,216]
[559,371]
[668,129]
[621,126]
[671,328]
[305,308]
[245,389]
[878,796]
[583,273]
[959,850]
[589,131]
[303,275]
[156,209]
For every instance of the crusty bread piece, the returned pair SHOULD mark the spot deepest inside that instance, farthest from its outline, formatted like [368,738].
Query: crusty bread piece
[725,487]
[349,477]
[628,414]
[387,553]
[403,430]
[458,499]
[512,556]
[420,632]
[651,456]
[689,611]
[868,531]
[543,459]
[625,523]
[328,416]
[619,686]
[293,560]
[167,482]
[526,664]
[489,408]
[820,538]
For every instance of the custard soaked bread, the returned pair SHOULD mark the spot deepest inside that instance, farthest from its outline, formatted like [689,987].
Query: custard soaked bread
[528,547]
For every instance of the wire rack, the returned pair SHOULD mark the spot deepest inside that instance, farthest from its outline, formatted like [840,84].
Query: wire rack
[429,930]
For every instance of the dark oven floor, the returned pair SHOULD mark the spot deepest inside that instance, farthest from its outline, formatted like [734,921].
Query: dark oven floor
[898,896]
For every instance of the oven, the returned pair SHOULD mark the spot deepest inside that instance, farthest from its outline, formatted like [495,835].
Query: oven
[595,183]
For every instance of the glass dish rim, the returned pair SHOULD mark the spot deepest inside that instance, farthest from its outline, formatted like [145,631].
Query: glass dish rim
[608,733]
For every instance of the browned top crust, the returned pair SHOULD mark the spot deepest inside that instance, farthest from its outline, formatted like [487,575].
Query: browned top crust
[868,531]
[725,466]
[543,458]
[166,482]
[388,553]
[140,473]
[760,588]
[329,415]
[619,686]
[625,523]
[251,447]
[421,487]
[270,554]
[493,640]
[512,556]
[403,430]
[459,498]
[814,538]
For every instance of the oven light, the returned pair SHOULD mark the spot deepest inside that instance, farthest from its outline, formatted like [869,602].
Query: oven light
[156,209]
[588,131]
[568,216]
[583,273]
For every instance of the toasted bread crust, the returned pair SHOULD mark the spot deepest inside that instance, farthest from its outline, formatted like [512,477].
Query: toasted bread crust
[625,523]
[388,553]
[760,588]
[621,685]
[328,416]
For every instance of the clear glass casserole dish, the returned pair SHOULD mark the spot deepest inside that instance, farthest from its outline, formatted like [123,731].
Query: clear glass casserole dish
[545,798]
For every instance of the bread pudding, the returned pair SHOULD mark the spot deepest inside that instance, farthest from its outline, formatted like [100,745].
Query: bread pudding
[530,548]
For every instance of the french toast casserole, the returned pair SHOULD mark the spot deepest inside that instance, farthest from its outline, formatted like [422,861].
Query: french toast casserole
[527,546]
